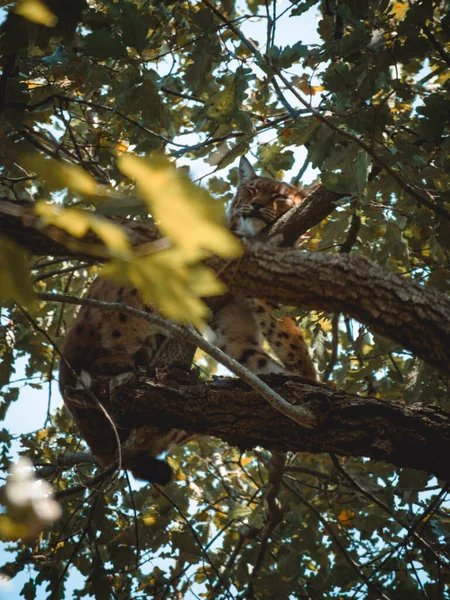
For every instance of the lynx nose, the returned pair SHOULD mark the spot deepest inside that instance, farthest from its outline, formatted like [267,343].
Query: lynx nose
[256,205]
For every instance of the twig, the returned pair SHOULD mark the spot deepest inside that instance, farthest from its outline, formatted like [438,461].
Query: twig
[354,565]
[92,483]
[136,522]
[197,539]
[339,466]
[92,396]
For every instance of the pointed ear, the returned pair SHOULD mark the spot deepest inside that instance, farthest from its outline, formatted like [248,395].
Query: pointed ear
[246,171]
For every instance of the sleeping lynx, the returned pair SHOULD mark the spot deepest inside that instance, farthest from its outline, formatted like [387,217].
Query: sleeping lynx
[110,343]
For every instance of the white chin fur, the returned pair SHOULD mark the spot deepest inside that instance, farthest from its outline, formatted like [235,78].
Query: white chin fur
[250,226]
[84,382]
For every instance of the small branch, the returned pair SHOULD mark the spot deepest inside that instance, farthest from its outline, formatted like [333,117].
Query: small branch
[436,45]
[353,482]
[376,588]
[91,486]
[298,414]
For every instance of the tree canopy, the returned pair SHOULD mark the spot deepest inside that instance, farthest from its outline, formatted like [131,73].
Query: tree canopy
[121,124]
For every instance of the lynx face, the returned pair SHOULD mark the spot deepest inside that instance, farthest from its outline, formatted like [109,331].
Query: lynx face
[260,201]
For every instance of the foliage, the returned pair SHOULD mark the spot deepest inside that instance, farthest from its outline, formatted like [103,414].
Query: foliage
[370,102]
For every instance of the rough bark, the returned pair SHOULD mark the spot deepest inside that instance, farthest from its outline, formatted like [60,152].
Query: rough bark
[302,218]
[415,436]
[416,317]
[18,221]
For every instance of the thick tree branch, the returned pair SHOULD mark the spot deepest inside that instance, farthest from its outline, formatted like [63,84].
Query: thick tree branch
[415,436]
[416,317]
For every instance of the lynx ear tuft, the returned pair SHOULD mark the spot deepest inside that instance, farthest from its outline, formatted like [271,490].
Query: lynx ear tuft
[246,171]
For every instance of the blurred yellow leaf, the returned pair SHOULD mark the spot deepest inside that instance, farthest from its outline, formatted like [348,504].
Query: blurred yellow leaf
[74,221]
[37,11]
[166,280]
[400,9]
[15,280]
[77,223]
[59,175]
[346,517]
[78,179]
[186,213]
[112,234]
[42,434]
[10,530]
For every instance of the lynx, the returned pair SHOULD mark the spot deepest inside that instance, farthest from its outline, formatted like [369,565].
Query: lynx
[240,326]
[110,343]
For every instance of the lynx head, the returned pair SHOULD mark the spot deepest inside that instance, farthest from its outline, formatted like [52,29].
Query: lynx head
[259,201]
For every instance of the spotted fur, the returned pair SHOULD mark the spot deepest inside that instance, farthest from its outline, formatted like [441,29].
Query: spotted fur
[112,343]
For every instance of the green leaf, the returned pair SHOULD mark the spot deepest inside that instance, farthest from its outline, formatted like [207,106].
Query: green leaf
[29,590]
[361,168]
[134,29]
[104,45]
[274,157]
[15,279]
[336,182]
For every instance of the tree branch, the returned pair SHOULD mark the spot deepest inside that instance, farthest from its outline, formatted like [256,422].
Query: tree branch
[416,317]
[415,436]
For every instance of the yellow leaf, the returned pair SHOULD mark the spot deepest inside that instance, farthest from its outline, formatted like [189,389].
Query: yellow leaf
[77,223]
[37,11]
[121,147]
[163,279]
[42,434]
[400,9]
[346,517]
[112,234]
[78,179]
[58,175]
[15,280]
[185,213]
[149,520]
[74,221]
[304,84]
[203,282]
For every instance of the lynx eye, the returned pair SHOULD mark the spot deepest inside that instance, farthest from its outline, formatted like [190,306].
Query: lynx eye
[284,201]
